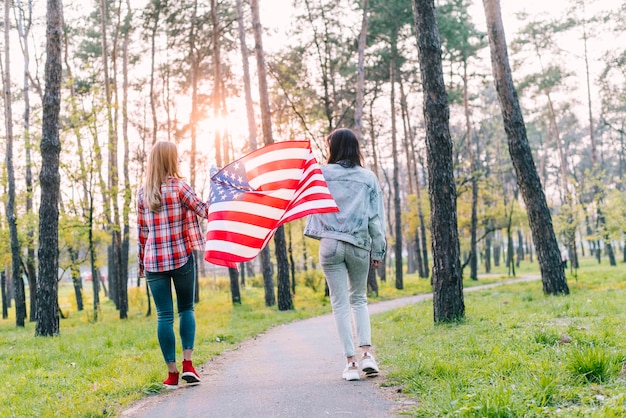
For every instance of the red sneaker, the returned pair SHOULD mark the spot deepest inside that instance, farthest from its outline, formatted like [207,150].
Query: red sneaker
[172,380]
[189,373]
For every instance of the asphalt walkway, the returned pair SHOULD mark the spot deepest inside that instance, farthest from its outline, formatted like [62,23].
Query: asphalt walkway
[292,371]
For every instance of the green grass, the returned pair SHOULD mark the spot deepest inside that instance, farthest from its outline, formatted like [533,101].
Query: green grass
[518,353]
[99,368]
[95,369]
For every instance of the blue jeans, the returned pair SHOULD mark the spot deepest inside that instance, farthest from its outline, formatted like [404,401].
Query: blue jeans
[346,267]
[160,286]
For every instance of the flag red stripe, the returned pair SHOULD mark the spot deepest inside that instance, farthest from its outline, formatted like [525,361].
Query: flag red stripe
[243,217]
[243,239]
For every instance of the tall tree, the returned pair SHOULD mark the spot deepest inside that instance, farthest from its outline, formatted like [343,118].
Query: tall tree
[446,278]
[252,131]
[540,219]
[152,19]
[16,260]
[118,286]
[462,41]
[284,293]
[218,98]
[266,126]
[24,22]
[47,285]
[127,195]
[360,71]
[397,210]
[86,165]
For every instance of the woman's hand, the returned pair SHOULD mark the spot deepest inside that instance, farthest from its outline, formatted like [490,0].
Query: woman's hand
[375,263]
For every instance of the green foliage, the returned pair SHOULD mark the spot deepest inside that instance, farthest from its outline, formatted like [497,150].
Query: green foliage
[517,353]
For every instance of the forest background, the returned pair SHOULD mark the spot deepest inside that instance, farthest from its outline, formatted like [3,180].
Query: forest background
[196,73]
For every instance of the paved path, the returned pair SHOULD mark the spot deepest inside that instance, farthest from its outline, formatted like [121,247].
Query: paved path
[292,370]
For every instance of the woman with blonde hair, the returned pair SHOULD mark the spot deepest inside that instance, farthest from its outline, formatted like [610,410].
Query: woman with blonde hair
[168,228]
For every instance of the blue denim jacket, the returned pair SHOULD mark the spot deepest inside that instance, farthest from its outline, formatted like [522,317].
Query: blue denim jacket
[360,220]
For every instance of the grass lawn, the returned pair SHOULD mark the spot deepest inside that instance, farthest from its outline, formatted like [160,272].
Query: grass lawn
[503,359]
[518,353]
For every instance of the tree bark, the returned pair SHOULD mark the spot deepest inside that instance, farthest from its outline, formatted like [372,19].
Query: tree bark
[125,248]
[399,282]
[360,73]
[473,255]
[540,219]
[16,261]
[252,131]
[47,285]
[266,119]
[153,34]
[285,301]
[3,292]
[235,296]
[24,20]
[446,277]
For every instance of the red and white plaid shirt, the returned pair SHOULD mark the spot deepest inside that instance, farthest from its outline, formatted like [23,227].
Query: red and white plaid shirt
[167,237]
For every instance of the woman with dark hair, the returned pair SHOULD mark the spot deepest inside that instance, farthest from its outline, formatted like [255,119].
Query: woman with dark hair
[350,241]
[167,220]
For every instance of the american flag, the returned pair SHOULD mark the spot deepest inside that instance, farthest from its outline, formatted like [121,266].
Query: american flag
[251,197]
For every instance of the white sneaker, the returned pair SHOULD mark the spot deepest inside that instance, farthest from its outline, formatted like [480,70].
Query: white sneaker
[368,364]
[351,372]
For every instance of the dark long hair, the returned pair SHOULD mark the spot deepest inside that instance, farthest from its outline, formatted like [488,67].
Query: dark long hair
[344,148]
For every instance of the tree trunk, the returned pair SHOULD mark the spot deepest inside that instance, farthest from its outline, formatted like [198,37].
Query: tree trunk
[418,254]
[520,248]
[86,201]
[420,214]
[496,253]
[360,73]
[395,181]
[447,280]
[24,20]
[77,281]
[153,98]
[20,296]
[473,255]
[252,132]
[292,264]
[125,248]
[47,285]
[116,285]
[3,292]
[285,301]
[235,296]
[268,276]
[266,122]
[488,253]
[540,219]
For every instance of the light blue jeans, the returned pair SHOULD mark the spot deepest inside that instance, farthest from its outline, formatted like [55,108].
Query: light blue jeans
[161,287]
[346,267]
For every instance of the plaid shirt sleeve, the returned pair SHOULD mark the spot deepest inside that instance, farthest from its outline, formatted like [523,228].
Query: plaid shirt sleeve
[196,207]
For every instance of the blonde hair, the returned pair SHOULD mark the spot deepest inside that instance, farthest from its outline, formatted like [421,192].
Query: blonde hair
[162,163]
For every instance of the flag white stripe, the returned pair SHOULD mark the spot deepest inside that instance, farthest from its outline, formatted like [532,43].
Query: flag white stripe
[276,155]
[246,208]
[238,227]
[276,175]
[318,204]
[232,248]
